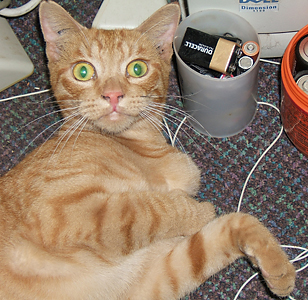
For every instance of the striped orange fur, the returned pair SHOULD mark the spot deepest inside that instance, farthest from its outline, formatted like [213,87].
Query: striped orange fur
[106,208]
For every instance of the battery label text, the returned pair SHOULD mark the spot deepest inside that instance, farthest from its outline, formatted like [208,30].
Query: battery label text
[202,48]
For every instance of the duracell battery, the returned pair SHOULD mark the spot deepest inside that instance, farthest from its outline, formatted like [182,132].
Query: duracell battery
[228,36]
[209,51]
[252,49]
[205,72]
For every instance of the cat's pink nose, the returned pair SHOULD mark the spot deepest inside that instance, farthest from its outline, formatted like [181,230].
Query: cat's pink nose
[113,98]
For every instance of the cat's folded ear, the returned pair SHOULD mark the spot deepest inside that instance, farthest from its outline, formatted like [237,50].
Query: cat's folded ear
[161,26]
[57,26]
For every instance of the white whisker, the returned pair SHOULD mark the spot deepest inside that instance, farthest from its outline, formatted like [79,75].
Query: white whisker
[81,130]
[73,128]
[157,109]
[43,101]
[46,115]
[185,98]
[162,127]
[155,122]
[169,118]
[67,131]
[185,114]
[181,112]
[41,133]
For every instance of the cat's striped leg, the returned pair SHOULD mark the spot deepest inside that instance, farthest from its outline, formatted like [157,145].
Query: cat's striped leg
[118,224]
[132,220]
[173,271]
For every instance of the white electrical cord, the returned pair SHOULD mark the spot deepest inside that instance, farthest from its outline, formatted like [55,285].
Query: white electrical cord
[19,11]
[261,157]
[24,95]
[270,61]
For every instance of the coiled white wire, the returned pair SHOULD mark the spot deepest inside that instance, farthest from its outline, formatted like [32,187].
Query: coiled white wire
[19,11]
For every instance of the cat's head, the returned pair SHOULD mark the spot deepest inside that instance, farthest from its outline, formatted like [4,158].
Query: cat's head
[109,80]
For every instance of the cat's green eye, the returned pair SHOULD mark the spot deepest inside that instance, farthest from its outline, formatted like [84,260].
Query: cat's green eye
[83,71]
[137,68]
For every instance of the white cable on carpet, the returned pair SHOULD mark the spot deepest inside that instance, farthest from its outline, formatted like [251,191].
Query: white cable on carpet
[24,95]
[19,11]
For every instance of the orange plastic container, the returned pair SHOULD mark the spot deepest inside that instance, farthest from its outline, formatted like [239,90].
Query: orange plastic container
[294,102]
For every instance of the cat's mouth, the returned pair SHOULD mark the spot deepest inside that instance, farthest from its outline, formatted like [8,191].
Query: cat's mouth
[120,114]
[110,117]
[114,116]
[115,121]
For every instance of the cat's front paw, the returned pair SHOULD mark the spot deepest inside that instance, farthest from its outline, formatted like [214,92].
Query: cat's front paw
[280,278]
[266,253]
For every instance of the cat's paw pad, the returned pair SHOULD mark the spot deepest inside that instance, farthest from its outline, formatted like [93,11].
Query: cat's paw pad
[280,280]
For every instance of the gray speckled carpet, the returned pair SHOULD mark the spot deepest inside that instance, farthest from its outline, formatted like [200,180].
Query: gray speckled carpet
[276,193]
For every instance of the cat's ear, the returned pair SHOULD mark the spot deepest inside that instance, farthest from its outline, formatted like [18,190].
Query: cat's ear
[57,26]
[161,26]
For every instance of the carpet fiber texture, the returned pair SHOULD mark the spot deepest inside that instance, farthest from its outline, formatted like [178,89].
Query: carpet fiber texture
[276,192]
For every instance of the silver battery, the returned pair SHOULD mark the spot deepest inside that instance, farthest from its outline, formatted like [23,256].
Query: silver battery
[244,64]
[302,83]
[301,53]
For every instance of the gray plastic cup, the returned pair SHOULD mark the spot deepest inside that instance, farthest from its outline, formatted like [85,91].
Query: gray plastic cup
[220,107]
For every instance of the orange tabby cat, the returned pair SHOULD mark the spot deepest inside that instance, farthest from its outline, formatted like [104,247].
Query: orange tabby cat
[105,209]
